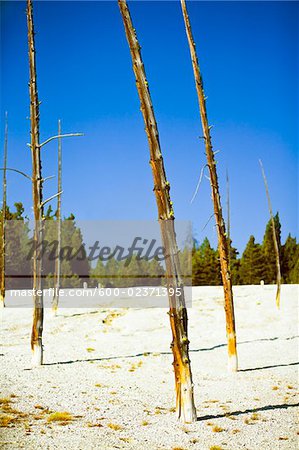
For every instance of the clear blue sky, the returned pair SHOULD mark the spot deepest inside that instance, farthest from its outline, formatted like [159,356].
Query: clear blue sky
[249,59]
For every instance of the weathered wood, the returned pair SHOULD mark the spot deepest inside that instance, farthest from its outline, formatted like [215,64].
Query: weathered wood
[3,240]
[275,241]
[228,219]
[185,407]
[37,194]
[58,219]
[222,238]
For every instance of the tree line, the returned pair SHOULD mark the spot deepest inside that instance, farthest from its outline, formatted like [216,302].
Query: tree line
[257,262]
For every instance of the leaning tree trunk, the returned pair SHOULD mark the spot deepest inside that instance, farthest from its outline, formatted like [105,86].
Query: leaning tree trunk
[58,218]
[275,242]
[222,239]
[37,189]
[185,407]
[3,240]
[228,219]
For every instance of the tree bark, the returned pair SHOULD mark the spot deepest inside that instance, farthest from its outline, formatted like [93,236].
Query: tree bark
[37,193]
[3,241]
[222,238]
[185,407]
[228,219]
[58,218]
[275,241]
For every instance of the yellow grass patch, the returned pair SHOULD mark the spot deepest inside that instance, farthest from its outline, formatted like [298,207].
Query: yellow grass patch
[228,416]
[115,426]
[217,429]
[6,420]
[110,318]
[125,439]
[60,417]
[90,425]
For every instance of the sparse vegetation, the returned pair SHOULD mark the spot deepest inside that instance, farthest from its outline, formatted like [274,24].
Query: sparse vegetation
[115,427]
[90,349]
[60,417]
[6,420]
[217,429]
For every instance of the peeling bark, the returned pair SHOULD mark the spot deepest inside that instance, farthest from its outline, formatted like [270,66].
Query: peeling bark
[221,232]
[58,218]
[275,242]
[185,407]
[3,240]
[37,193]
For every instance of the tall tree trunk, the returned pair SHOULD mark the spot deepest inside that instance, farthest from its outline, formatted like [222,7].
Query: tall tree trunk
[222,238]
[37,189]
[228,219]
[3,241]
[58,218]
[275,241]
[185,407]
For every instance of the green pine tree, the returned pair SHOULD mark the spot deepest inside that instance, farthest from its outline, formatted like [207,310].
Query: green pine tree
[18,265]
[252,263]
[269,252]
[234,264]
[205,266]
[289,258]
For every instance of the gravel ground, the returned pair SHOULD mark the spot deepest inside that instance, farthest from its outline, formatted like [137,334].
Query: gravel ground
[111,371]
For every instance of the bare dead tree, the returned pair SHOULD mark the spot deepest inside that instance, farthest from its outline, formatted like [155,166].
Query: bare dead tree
[4,190]
[37,191]
[58,218]
[222,237]
[275,241]
[228,218]
[185,407]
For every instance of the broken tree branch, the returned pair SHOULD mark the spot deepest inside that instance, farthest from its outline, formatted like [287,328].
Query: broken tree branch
[50,198]
[199,183]
[59,136]
[17,171]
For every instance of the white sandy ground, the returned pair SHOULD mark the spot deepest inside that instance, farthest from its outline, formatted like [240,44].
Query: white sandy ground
[120,373]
